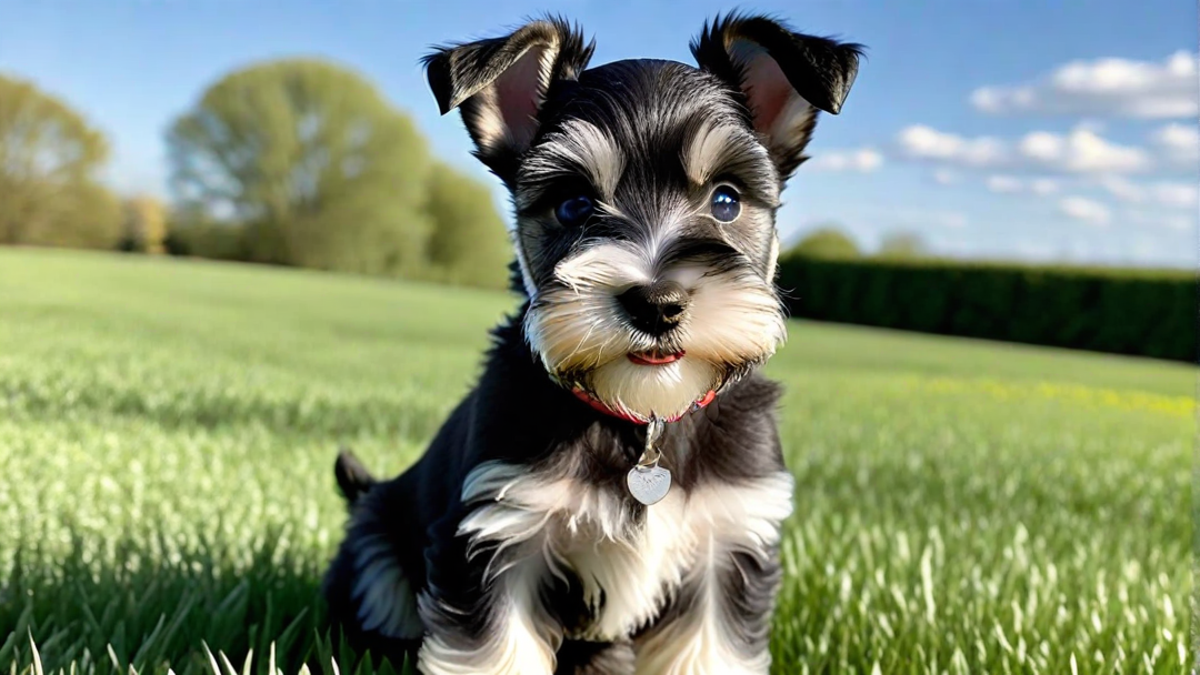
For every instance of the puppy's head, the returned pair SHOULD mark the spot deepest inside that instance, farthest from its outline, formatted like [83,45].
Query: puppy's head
[645,195]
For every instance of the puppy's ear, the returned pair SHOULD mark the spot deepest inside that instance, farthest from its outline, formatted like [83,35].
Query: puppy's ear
[501,84]
[786,78]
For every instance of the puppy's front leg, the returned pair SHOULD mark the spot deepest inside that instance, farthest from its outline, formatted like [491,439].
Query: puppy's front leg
[484,614]
[595,658]
[719,622]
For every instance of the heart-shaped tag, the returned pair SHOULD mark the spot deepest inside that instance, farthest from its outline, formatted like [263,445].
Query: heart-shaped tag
[649,484]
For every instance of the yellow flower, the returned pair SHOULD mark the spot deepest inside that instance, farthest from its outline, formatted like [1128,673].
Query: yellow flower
[1174,406]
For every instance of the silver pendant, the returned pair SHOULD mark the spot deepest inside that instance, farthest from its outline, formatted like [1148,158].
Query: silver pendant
[648,485]
[648,482]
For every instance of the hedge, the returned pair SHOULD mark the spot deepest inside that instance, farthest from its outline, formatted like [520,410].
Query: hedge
[1137,312]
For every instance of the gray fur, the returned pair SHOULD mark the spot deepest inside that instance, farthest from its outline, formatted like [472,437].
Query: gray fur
[512,545]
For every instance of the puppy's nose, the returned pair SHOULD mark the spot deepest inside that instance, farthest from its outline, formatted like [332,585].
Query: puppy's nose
[657,308]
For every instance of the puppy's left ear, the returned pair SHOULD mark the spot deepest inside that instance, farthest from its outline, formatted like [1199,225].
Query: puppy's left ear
[501,83]
[786,78]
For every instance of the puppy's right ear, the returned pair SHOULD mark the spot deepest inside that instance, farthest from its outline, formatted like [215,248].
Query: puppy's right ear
[786,77]
[501,83]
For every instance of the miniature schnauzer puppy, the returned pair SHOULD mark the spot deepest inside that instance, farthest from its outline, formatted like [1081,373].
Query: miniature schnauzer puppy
[609,497]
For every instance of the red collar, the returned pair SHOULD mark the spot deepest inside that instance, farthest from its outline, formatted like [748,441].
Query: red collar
[630,417]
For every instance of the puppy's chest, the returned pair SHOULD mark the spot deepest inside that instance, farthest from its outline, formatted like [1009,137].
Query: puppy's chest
[621,572]
[611,564]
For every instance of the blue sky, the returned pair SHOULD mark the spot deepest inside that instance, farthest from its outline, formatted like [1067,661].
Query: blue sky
[1033,129]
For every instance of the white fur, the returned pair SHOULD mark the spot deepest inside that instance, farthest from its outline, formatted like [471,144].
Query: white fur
[610,265]
[709,146]
[581,144]
[547,526]
[581,326]
[774,259]
[523,264]
[719,522]
[733,317]
[490,127]
[387,603]
[524,640]
[704,151]
[666,391]
[595,150]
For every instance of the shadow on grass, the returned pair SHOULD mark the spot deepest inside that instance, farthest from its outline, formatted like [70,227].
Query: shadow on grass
[144,611]
[395,416]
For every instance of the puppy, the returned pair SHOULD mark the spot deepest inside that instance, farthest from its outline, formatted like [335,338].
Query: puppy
[609,497]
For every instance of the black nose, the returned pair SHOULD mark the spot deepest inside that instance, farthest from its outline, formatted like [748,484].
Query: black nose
[657,308]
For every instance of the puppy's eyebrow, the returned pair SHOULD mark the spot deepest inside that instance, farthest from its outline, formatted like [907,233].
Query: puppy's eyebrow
[577,147]
[716,146]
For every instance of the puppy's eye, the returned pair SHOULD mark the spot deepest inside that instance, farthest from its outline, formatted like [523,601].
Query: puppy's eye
[574,211]
[726,204]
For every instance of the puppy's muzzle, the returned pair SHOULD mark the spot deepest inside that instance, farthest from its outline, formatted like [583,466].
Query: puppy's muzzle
[655,309]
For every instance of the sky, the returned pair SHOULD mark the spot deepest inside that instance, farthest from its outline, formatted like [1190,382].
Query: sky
[1036,130]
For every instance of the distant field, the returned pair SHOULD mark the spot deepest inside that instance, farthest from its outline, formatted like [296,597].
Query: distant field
[167,430]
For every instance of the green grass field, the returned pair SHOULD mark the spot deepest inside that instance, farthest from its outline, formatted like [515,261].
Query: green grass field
[167,432]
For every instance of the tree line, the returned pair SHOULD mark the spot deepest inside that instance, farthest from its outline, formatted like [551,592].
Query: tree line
[829,241]
[293,162]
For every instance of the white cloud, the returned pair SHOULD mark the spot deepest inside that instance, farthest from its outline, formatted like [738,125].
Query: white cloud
[1104,87]
[923,142]
[1176,195]
[1087,210]
[1181,223]
[1042,146]
[1178,143]
[1122,188]
[1173,221]
[1004,184]
[1080,151]
[1169,194]
[945,177]
[864,160]
[1044,186]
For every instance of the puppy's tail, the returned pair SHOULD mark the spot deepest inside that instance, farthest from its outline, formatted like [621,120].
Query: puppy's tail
[352,477]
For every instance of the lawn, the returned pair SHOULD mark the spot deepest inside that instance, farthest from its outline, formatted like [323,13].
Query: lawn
[167,432]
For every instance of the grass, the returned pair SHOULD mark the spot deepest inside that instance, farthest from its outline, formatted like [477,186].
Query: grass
[167,431]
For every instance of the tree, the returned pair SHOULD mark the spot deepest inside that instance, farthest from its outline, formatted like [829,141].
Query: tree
[145,225]
[826,242]
[898,245]
[469,243]
[49,160]
[311,163]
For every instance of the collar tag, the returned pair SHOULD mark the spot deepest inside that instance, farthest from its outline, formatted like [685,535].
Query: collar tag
[648,482]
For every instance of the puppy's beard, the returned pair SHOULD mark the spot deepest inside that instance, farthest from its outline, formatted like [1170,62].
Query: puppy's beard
[667,391]
[734,317]
[580,332]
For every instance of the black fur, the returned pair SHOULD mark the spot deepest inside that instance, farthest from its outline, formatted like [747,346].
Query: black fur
[517,414]
[457,73]
[404,540]
[820,69]
[353,479]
